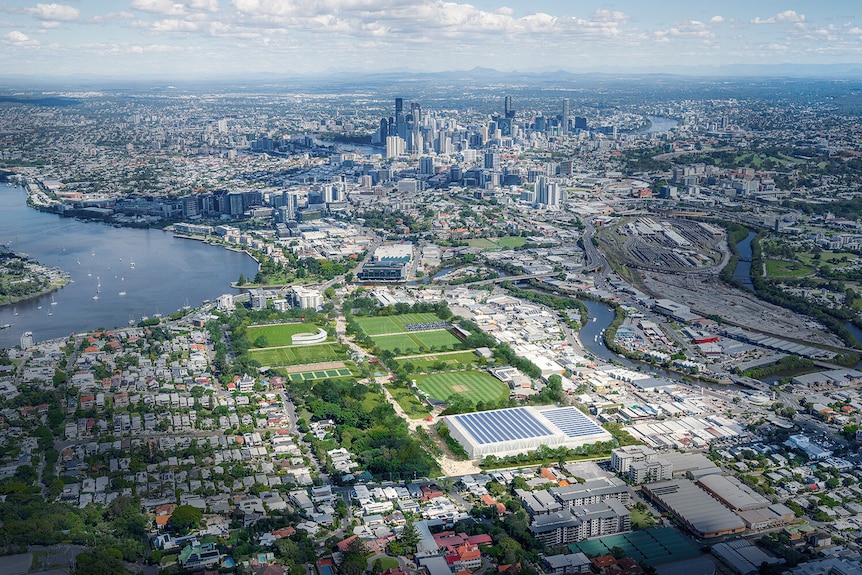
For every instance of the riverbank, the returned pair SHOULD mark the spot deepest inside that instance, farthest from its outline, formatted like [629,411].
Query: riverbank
[117,274]
[23,279]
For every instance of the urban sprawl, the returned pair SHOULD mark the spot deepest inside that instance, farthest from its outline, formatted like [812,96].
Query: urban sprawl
[526,330]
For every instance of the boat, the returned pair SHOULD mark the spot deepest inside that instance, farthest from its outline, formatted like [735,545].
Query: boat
[52,301]
[50,313]
[132,264]
[6,326]
[122,293]
[15,311]
[95,297]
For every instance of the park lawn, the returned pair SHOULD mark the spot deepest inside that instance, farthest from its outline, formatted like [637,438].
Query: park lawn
[511,241]
[279,334]
[481,243]
[408,401]
[641,520]
[372,400]
[387,563]
[492,244]
[828,259]
[298,354]
[392,323]
[452,360]
[780,268]
[476,385]
[417,342]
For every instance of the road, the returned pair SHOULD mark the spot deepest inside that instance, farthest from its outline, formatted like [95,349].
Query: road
[512,279]
[595,260]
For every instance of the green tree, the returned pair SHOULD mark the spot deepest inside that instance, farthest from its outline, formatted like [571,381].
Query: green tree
[185,518]
[101,561]
[409,538]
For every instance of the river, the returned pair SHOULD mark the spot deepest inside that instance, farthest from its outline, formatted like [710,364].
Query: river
[658,124]
[742,271]
[156,272]
[600,316]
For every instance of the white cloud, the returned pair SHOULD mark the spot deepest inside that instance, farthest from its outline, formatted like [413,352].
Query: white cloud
[56,12]
[420,21]
[105,18]
[688,29]
[716,19]
[786,17]
[223,30]
[17,38]
[163,7]
[204,5]
[175,7]
[171,25]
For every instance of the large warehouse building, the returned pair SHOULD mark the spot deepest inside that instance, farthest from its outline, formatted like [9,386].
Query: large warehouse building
[504,432]
[702,514]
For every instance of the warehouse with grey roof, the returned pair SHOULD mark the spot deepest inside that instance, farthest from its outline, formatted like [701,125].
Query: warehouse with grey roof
[702,514]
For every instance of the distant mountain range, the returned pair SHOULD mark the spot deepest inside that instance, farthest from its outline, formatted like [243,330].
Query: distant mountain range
[848,71]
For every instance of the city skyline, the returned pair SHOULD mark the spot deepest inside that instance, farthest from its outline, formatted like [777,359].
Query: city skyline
[217,38]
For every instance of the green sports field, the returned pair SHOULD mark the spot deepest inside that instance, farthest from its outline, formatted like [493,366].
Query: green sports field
[497,244]
[296,355]
[476,385]
[279,334]
[451,360]
[392,323]
[320,374]
[417,342]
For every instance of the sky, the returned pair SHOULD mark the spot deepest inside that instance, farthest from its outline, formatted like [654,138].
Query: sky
[224,38]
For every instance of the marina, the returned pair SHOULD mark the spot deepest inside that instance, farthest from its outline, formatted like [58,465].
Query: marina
[167,272]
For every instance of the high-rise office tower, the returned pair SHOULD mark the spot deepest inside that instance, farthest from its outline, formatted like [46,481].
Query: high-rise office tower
[395,146]
[400,122]
[426,166]
[541,190]
[539,123]
[508,111]
[492,161]
[384,129]
[564,128]
[416,140]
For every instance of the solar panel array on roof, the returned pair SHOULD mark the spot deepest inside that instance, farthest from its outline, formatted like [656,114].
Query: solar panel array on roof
[519,429]
[502,425]
[571,421]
